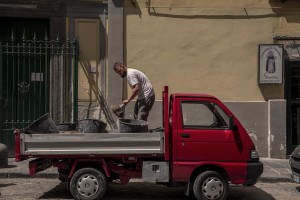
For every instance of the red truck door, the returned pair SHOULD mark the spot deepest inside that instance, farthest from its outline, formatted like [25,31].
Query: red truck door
[203,132]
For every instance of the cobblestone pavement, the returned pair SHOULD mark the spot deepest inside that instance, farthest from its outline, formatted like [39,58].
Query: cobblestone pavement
[52,189]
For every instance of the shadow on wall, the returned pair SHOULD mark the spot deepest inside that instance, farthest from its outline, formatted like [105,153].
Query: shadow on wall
[132,8]
[289,9]
[279,7]
[152,10]
[93,85]
[272,91]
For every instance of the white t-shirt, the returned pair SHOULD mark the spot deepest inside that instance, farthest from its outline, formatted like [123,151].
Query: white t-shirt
[135,76]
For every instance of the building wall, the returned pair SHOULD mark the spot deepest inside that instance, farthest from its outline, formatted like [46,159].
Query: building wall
[88,66]
[211,46]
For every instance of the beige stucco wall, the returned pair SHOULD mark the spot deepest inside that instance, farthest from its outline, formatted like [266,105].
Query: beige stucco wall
[207,46]
[87,31]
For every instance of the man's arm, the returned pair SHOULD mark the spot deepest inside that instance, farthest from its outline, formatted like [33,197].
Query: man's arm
[134,93]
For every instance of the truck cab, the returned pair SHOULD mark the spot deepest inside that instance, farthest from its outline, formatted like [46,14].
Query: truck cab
[210,147]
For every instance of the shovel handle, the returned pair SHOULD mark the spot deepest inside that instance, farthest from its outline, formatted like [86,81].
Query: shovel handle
[122,105]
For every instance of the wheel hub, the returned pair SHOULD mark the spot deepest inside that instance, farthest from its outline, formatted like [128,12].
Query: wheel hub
[87,185]
[212,188]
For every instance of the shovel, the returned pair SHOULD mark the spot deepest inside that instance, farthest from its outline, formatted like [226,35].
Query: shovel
[118,110]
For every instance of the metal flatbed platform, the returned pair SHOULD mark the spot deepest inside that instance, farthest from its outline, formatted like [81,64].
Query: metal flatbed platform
[75,143]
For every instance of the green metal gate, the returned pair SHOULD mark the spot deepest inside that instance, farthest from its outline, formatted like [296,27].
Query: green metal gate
[37,77]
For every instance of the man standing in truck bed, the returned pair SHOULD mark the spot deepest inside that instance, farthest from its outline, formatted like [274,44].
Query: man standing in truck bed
[141,87]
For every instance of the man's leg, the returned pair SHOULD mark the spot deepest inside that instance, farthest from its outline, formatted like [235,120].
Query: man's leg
[136,109]
[145,105]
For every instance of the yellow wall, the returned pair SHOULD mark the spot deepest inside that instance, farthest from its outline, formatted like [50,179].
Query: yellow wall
[87,31]
[207,46]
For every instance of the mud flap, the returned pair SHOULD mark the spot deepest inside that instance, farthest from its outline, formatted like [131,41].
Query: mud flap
[39,165]
[187,189]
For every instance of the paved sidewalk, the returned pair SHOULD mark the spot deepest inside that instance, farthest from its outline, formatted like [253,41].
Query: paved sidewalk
[275,170]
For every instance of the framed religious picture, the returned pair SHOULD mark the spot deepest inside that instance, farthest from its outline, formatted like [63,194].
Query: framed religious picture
[270,63]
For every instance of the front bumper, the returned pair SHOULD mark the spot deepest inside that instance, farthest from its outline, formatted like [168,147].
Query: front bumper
[254,171]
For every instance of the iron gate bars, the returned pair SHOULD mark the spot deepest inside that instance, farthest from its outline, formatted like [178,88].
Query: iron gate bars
[37,77]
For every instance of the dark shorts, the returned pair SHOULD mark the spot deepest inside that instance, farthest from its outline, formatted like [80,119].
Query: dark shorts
[142,108]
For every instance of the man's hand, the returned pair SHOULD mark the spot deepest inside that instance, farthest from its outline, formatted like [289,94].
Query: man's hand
[125,102]
[135,91]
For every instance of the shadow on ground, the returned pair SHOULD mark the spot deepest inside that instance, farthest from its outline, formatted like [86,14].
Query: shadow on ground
[10,166]
[138,191]
[6,185]
[58,192]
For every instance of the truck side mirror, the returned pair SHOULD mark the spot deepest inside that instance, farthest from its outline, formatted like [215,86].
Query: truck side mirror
[232,125]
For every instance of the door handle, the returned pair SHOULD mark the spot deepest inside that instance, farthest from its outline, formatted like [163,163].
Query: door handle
[185,135]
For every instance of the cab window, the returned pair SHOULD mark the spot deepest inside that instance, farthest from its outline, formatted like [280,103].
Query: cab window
[203,115]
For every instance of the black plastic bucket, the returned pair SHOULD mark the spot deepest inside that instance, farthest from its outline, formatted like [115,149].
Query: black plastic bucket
[66,127]
[91,126]
[133,126]
[44,124]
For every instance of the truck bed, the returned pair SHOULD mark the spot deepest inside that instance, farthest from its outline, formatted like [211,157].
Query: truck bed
[75,143]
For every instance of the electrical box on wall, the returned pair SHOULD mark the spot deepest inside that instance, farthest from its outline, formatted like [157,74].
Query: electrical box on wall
[93,69]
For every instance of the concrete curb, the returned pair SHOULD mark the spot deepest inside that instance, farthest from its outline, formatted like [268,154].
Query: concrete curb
[275,179]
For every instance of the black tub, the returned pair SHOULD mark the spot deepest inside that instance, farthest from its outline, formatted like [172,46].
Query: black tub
[44,124]
[66,127]
[133,126]
[91,126]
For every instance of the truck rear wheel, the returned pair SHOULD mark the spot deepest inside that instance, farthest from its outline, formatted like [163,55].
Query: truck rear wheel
[210,185]
[88,184]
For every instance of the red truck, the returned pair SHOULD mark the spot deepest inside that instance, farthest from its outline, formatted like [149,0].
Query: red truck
[202,146]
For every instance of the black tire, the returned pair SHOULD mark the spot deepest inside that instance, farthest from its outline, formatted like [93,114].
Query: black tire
[210,185]
[68,186]
[249,185]
[88,184]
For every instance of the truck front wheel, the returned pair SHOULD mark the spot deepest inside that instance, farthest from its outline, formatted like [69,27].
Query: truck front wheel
[88,184]
[210,185]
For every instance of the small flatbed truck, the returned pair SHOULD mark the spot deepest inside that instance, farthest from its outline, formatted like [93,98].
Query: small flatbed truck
[202,146]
